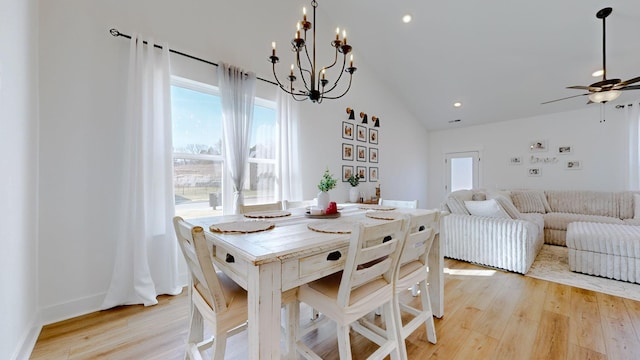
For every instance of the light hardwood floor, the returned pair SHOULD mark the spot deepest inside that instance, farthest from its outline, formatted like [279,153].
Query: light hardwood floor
[488,315]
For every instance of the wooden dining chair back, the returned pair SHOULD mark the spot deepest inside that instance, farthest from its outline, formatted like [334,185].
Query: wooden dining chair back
[408,204]
[261,207]
[365,284]
[286,204]
[215,298]
[413,268]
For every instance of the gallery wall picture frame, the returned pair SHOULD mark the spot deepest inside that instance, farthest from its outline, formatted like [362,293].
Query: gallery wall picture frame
[373,155]
[361,153]
[361,133]
[565,150]
[373,136]
[573,165]
[515,160]
[347,130]
[362,173]
[347,151]
[373,174]
[535,172]
[538,146]
[347,171]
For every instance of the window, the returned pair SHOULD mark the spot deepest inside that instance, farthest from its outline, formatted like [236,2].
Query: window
[201,185]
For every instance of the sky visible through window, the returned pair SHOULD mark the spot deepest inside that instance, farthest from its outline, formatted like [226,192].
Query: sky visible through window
[197,119]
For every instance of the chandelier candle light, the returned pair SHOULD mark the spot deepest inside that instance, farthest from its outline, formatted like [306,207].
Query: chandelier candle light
[314,79]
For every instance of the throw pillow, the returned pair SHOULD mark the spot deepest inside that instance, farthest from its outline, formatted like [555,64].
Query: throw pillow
[508,207]
[456,206]
[636,206]
[486,208]
[530,201]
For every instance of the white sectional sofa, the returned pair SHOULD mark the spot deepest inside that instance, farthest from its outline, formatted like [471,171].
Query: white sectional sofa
[506,229]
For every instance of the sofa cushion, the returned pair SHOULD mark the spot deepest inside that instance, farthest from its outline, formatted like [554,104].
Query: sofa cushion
[455,201]
[584,202]
[486,208]
[560,221]
[530,201]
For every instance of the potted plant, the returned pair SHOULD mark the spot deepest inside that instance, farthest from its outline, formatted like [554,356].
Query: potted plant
[327,182]
[353,180]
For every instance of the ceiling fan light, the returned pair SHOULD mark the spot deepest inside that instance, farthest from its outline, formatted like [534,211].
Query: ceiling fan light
[604,96]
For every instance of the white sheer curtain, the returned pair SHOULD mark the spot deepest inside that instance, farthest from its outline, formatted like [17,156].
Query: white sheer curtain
[146,263]
[237,89]
[632,112]
[288,159]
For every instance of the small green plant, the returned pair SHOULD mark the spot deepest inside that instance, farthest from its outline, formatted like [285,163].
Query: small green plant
[327,182]
[353,180]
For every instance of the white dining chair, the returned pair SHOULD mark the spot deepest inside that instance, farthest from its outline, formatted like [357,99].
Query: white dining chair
[408,204]
[365,284]
[413,268]
[244,209]
[286,204]
[215,298]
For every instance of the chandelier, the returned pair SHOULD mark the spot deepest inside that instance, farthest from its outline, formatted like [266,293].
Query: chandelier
[314,79]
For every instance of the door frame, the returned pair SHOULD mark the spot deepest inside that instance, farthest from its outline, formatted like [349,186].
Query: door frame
[470,152]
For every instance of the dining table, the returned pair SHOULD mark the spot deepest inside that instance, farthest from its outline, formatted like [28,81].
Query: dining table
[272,255]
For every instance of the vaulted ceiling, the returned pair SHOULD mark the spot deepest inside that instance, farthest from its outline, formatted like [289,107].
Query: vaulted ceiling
[500,58]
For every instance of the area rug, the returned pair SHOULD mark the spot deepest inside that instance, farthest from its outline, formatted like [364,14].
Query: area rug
[552,264]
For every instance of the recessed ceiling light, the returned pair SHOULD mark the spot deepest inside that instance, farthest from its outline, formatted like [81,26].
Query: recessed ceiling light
[597,73]
[406,19]
[457,104]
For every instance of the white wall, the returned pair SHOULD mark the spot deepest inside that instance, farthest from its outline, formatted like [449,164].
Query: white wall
[18,191]
[601,146]
[82,84]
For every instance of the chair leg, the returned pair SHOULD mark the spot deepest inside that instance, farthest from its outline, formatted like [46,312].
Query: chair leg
[196,327]
[426,306]
[219,345]
[344,343]
[392,319]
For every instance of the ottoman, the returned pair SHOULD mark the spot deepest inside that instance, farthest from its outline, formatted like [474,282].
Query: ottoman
[607,250]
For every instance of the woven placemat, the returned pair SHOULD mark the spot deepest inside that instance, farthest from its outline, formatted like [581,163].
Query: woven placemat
[376,207]
[267,214]
[384,215]
[332,227]
[242,227]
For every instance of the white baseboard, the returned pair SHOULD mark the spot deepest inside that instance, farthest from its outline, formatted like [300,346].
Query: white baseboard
[71,309]
[25,350]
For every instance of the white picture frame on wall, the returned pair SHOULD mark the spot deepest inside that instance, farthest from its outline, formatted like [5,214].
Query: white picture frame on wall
[515,160]
[538,146]
[565,150]
[535,171]
[573,165]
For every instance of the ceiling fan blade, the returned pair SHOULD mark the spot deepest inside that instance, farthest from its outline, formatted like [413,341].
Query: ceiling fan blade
[633,87]
[579,87]
[627,82]
[565,98]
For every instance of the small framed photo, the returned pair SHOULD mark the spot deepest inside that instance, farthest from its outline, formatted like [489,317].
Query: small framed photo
[361,133]
[373,174]
[347,130]
[347,171]
[347,151]
[373,155]
[515,160]
[373,136]
[535,172]
[564,150]
[573,165]
[538,145]
[361,153]
[362,173]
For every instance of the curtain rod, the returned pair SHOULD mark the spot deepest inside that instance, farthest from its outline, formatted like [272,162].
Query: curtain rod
[117,33]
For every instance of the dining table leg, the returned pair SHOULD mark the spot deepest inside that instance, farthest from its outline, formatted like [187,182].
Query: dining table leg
[436,277]
[264,292]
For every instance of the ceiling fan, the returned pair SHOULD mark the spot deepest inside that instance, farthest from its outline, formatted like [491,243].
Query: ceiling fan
[606,89]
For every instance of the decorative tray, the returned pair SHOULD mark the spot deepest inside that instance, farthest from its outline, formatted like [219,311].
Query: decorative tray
[322,216]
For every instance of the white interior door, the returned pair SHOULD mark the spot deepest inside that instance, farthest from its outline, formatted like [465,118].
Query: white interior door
[462,170]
